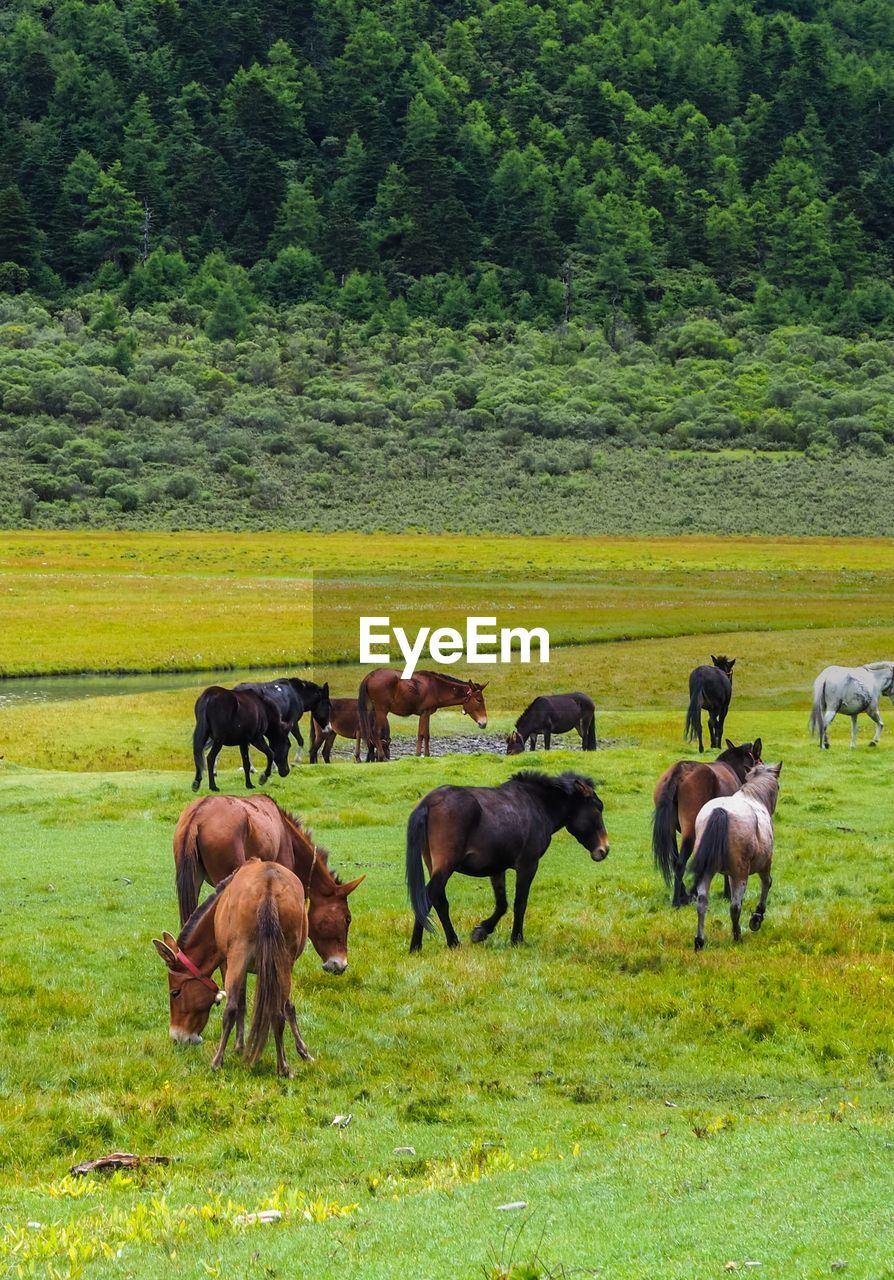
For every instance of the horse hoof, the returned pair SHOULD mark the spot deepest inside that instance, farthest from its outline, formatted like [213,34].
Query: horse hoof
[195,786]
[479,934]
[873,744]
[214,787]
[755,922]
[699,944]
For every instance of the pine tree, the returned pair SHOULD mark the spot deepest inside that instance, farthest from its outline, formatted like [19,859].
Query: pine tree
[228,319]
[18,235]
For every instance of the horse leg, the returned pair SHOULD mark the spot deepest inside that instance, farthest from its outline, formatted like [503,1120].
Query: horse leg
[681,897]
[757,918]
[246,765]
[532,740]
[239,1046]
[853,732]
[296,734]
[235,997]
[293,1025]
[327,748]
[702,897]
[262,747]
[524,874]
[701,741]
[419,737]
[879,724]
[438,898]
[426,733]
[486,927]
[215,751]
[547,739]
[735,906]
[828,717]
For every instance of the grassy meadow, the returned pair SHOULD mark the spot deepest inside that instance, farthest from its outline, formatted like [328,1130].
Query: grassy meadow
[655,1112]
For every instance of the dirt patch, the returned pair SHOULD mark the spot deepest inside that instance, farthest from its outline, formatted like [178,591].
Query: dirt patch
[465,744]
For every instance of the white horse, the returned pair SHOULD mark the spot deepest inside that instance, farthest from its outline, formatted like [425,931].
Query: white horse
[851,690]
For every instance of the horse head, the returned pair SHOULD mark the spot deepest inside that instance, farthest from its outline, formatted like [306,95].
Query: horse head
[515,743]
[192,995]
[473,703]
[328,921]
[724,664]
[585,821]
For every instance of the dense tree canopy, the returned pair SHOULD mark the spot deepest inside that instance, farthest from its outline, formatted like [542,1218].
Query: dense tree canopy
[468,159]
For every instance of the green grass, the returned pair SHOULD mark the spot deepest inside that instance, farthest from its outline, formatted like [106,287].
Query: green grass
[659,1113]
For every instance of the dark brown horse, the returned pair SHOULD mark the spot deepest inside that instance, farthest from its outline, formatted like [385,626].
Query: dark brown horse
[255,923]
[217,834]
[344,721]
[486,831]
[238,718]
[555,713]
[680,793]
[711,689]
[384,691]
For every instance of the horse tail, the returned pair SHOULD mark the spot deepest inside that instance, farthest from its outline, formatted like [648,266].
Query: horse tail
[199,738]
[712,849]
[417,833]
[589,743]
[271,956]
[364,707]
[694,712]
[190,871]
[664,829]
[815,724]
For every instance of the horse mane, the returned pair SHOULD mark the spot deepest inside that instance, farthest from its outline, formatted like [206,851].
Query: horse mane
[453,680]
[878,666]
[295,826]
[762,784]
[544,781]
[201,911]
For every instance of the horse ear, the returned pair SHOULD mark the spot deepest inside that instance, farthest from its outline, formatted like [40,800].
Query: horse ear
[326,688]
[584,787]
[714,660]
[729,742]
[345,889]
[756,748]
[171,941]
[482,687]
[775,769]
[732,663]
[165,952]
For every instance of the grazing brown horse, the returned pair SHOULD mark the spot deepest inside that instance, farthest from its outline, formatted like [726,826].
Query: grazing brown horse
[384,691]
[680,794]
[217,834]
[710,688]
[344,721]
[238,718]
[254,923]
[734,836]
[554,713]
[486,831]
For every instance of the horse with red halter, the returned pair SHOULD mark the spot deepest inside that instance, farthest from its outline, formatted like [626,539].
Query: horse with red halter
[344,721]
[679,795]
[254,923]
[238,718]
[218,834]
[487,831]
[385,692]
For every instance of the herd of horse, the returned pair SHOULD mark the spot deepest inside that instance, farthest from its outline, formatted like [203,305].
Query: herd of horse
[274,887]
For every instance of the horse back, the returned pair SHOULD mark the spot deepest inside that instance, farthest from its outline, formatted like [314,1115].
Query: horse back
[236,921]
[699,785]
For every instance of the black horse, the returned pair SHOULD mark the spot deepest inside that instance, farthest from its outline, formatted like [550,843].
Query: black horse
[292,697]
[486,831]
[238,718]
[710,688]
[558,713]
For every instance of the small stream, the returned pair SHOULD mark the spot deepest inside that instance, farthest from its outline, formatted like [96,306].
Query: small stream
[18,690]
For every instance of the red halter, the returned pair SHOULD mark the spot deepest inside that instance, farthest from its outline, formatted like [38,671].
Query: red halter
[191,969]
